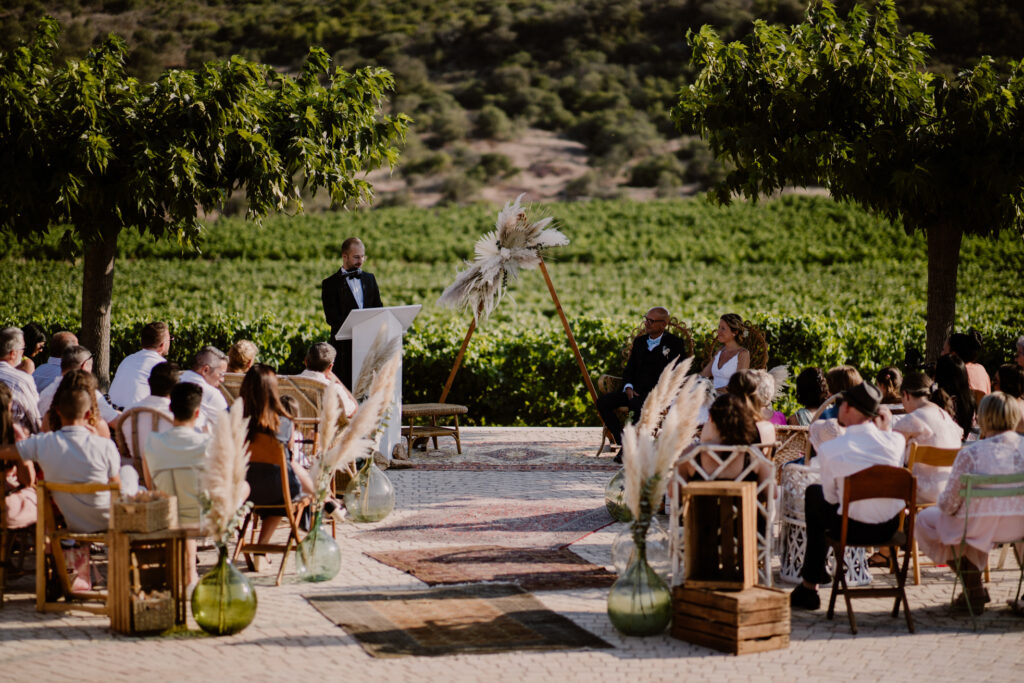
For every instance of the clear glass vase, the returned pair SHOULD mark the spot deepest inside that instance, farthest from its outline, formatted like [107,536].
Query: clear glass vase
[370,496]
[659,557]
[640,603]
[223,602]
[615,497]
[317,557]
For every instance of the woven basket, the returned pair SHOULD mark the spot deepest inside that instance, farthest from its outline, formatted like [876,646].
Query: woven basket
[152,614]
[154,515]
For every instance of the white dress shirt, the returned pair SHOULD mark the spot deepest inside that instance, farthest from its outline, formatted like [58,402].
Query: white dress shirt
[23,390]
[213,403]
[356,285]
[46,373]
[862,446]
[131,381]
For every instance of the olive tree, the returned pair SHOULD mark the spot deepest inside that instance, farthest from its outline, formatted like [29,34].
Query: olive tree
[87,151]
[848,104]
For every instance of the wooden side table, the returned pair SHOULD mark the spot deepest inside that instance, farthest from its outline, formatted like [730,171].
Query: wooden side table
[158,559]
[412,411]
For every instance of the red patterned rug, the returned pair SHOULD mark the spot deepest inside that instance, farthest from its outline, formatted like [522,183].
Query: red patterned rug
[529,568]
[548,523]
[510,449]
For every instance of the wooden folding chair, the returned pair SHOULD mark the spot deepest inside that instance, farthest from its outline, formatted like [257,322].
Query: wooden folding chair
[974,487]
[48,543]
[292,508]
[880,481]
[934,457]
[127,437]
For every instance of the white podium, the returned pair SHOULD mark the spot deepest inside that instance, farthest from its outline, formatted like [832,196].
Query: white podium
[362,326]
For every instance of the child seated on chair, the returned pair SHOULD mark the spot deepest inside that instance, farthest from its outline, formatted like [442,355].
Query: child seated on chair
[173,459]
[73,455]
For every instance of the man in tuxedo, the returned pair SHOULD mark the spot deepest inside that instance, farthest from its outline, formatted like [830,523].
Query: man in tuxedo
[650,354]
[348,289]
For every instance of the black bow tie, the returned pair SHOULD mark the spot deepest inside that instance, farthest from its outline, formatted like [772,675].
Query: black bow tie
[351,274]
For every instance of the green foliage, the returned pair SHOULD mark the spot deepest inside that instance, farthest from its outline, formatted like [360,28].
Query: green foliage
[828,282]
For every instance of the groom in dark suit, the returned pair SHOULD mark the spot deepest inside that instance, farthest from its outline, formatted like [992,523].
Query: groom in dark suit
[650,354]
[348,289]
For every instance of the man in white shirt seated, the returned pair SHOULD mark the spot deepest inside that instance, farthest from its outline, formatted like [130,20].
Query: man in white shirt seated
[73,455]
[867,441]
[207,371]
[76,358]
[23,389]
[129,385]
[174,458]
[162,379]
[50,370]
[319,364]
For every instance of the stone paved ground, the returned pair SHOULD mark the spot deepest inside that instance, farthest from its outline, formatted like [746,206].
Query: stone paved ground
[291,641]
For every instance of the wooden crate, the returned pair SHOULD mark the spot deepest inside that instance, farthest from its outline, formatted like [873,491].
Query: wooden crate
[720,534]
[738,622]
[153,561]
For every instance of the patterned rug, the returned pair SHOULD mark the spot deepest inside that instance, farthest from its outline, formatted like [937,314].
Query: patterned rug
[548,523]
[529,568]
[473,619]
[498,448]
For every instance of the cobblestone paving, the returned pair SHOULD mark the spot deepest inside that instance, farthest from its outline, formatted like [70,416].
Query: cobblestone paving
[290,640]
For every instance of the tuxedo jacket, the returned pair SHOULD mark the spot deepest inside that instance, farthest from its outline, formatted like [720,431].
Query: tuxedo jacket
[339,301]
[644,367]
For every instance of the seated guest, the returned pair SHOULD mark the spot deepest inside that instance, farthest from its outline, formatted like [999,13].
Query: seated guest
[731,422]
[888,380]
[23,389]
[752,386]
[50,370]
[35,342]
[867,441]
[76,358]
[129,385]
[1010,381]
[73,380]
[73,455]
[811,392]
[241,356]
[967,347]
[319,364]
[162,379]
[732,357]
[173,459]
[951,376]
[262,405]
[650,354]
[991,520]
[927,423]
[767,391]
[18,494]
[207,371]
[839,379]
[1019,358]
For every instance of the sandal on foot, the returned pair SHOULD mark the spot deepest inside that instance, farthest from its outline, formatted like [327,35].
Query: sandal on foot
[878,560]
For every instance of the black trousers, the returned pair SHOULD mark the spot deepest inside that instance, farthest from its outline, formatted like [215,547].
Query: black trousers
[343,361]
[823,516]
[608,403]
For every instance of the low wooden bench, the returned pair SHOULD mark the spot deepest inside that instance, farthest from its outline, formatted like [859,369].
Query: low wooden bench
[412,411]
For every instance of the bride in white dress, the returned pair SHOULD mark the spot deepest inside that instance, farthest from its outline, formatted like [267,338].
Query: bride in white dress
[731,357]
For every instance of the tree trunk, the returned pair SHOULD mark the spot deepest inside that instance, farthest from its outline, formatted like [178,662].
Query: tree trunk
[97,288]
[943,261]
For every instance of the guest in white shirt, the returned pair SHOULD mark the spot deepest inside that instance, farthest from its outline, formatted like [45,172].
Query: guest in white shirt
[129,385]
[319,364]
[174,458]
[76,358]
[23,389]
[50,370]
[162,379]
[208,371]
[868,441]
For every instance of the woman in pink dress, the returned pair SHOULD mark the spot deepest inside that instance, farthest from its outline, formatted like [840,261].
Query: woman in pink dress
[940,529]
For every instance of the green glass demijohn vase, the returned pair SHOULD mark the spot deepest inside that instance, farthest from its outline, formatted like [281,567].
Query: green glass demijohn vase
[317,556]
[370,496]
[223,602]
[614,498]
[640,603]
